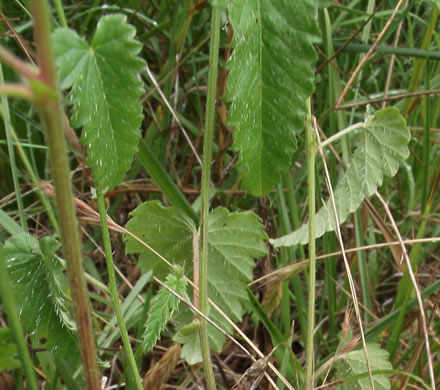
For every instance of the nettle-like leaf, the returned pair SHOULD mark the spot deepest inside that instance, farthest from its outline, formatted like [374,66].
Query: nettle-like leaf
[353,363]
[105,94]
[382,147]
[234,240]
[38,282]
[162,307]
[270,78]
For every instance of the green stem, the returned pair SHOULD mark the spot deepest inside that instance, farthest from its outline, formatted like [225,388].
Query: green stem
[419,64]
[427,140]
[11,311]
[8,127]
[388,50]
[52,118]
[60,12]
[35,181]
[311,152]
[114,290]
[206,175]
[342,133]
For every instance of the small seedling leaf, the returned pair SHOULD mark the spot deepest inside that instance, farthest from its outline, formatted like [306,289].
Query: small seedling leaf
[162,307]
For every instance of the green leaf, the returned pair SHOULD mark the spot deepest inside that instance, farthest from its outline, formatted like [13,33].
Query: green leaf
[8,351]
[270,78]
[162,307]
[353,363]
[105,93]
[382,147]
[37,278]
[234,240]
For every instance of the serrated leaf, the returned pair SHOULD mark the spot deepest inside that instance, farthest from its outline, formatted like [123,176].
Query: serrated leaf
[383,146]
[37,276]
[235,239]
[270,78]
[162,307]
[353,363]
[105,93]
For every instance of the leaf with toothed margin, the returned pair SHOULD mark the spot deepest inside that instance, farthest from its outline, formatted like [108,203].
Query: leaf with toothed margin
[354,363]
[162,308]
[105,93]
[234,241]
[382,147]
[270,78]
[39,286]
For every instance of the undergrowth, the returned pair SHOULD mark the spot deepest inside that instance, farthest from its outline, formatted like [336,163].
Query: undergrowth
[219,194]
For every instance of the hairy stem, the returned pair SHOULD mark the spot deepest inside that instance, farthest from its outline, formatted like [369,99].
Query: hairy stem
[52,118]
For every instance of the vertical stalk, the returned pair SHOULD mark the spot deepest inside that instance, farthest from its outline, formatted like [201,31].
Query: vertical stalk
[129,357]
[51,114]
[311,152]
[427,139]
[206,175]
[9,304]
[8,131]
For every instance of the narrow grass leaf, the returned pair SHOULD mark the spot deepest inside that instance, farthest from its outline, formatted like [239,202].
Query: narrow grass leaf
[105,89]
[382,147]
[270,78]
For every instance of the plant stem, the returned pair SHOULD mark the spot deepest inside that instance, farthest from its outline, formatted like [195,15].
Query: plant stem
[9,304]
[60,12]
[206,175]
[114,290]
[342,133]
[311,152]
[8,130]
[51,114]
